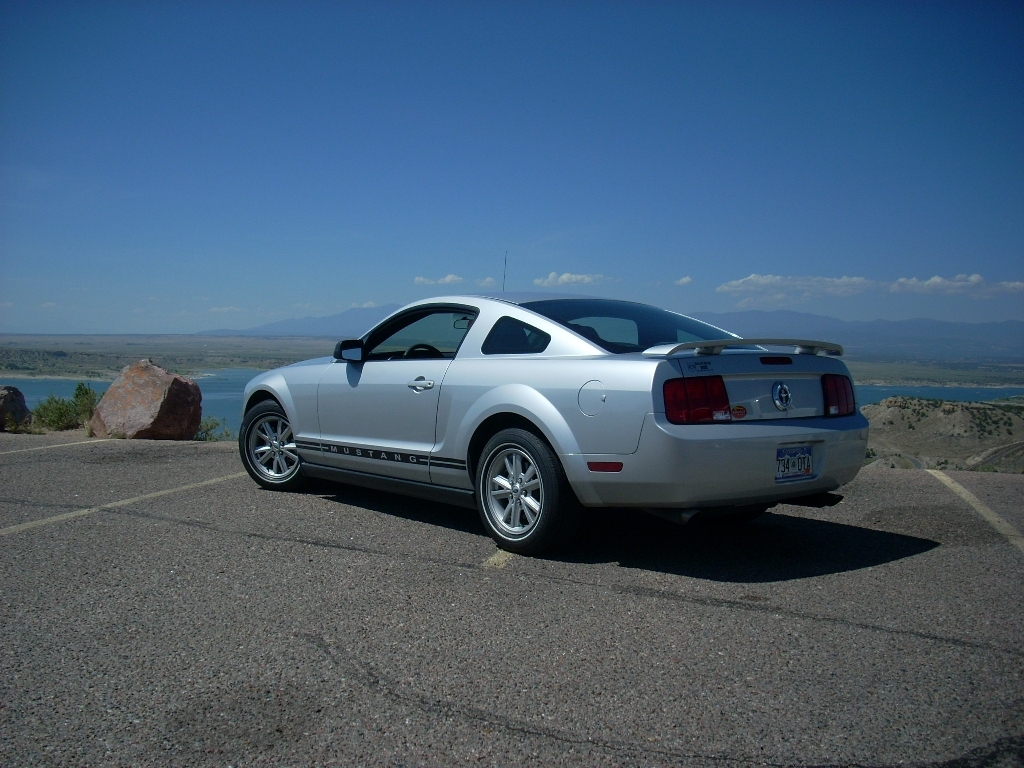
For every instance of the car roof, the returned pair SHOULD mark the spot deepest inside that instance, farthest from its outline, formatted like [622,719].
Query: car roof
[525,297]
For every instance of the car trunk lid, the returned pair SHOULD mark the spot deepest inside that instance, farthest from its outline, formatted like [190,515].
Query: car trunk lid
[766,384]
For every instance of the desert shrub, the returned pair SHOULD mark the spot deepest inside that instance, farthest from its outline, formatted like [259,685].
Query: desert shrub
[25,427]
[56,413]
[211,428]
[84,400]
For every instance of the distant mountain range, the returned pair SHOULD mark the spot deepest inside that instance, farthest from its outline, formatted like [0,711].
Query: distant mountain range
[917,339]
[349,324]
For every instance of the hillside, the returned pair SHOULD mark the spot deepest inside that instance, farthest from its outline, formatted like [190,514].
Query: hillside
[348,324]
[943,434]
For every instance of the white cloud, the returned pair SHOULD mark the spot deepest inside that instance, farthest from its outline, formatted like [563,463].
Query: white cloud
[776,289]
[446,280]
[364,305]
[972,285]
[6,303]
[225,309]
[567,278]
[487,282]
[683,281]
[783,287]
[48,305]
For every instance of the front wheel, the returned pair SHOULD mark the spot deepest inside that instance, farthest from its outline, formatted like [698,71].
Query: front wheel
[267,446]
[523,498]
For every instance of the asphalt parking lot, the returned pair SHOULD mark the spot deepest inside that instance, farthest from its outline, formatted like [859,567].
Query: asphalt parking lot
[219,624]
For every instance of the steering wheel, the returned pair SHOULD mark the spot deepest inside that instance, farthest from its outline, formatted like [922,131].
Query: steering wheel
[433,351]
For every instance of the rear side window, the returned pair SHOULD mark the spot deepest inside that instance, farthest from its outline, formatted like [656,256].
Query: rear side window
[623,326]
[514,337]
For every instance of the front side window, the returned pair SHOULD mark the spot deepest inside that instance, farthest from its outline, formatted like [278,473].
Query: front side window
[514,337]
[624,326]
[424,335]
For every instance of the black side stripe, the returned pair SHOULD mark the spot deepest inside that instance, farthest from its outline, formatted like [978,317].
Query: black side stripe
[380,454]
[437,461]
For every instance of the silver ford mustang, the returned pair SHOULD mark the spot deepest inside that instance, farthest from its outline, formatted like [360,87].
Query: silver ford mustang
[533,408]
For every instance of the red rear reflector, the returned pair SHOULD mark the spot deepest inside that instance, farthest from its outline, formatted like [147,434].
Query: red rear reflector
[837,392]
[604,466]
[696,400]
[776,361]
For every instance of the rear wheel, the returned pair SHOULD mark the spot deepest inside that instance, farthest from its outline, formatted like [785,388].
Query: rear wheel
[523,498]
[267,446]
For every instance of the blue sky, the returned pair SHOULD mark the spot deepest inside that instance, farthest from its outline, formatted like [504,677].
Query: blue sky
[174,167]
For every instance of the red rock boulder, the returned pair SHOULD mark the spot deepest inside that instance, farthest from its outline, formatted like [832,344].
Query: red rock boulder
[147,402]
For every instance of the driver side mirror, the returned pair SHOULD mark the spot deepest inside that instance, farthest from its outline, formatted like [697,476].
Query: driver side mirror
[350,350]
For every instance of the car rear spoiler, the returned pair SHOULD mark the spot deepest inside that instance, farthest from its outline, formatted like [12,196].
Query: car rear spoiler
[715,346]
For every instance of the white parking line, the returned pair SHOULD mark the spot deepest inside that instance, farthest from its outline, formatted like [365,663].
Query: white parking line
[498,560]
[1001,525]
[58,445]
[113,505]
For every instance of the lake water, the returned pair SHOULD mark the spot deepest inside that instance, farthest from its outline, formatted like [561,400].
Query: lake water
[874,393]
[222,392]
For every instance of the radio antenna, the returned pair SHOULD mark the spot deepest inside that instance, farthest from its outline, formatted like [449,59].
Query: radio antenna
[504,271]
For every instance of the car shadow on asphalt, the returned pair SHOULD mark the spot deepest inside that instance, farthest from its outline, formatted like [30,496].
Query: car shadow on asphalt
[774,547]
[418,510]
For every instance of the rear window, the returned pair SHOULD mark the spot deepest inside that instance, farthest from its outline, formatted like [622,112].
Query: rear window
[624,326]
[514,337]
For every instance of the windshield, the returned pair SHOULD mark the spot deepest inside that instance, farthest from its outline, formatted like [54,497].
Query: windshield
[624,326]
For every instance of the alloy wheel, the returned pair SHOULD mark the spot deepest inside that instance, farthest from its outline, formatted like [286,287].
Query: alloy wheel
[272,450]
[515,492]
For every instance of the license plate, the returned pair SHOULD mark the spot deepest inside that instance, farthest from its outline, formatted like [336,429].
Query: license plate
[793,463]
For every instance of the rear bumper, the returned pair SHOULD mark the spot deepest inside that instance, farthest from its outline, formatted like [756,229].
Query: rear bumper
[683,466]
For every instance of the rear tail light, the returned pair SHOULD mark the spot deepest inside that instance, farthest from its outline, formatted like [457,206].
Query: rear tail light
[838,394]
[697,400]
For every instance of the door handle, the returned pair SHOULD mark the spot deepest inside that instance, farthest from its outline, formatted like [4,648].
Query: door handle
[419,384]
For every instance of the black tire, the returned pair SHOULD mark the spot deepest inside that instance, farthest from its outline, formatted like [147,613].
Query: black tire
[538,509]
[267,446]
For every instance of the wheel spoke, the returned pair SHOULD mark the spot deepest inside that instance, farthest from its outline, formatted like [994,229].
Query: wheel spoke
[261,449]
[285,434]
[535,483]
[508,468]
[263,459]
[516,516]
[532,507]
[501,493]
[502,482]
